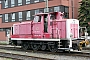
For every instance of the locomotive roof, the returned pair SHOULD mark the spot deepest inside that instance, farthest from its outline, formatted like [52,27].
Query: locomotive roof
[44,13]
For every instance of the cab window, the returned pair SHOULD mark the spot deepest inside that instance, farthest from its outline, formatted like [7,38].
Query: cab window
[37,19]
[52,16]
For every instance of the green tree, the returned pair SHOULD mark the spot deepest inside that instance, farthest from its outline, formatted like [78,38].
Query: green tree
[84,14]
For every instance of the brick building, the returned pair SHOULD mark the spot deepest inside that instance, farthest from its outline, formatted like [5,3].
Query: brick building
[13,11]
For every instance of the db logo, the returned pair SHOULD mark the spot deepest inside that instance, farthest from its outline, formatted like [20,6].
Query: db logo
[37,28]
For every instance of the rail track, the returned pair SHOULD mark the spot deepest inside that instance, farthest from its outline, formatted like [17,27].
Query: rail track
[26,56]
[17,56]
[21,57]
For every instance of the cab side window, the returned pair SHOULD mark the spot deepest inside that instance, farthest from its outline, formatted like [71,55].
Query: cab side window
[37,19]
[53,16]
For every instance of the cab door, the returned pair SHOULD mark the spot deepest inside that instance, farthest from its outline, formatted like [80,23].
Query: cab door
[37,27]
[47,26]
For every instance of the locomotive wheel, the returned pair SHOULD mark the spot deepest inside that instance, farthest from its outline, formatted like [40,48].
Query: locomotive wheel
[52,47]
[25,46]
[75,46]
[35,47]
[43,47]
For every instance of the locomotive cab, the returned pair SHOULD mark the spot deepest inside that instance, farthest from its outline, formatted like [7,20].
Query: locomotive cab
[41,25]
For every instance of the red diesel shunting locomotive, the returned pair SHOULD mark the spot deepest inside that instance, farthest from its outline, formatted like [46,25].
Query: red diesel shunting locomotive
[47,31]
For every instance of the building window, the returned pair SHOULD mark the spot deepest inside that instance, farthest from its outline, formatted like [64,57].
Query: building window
[28,15]
[36,1]
[45,10]
[12,3]
[20,16]
[13,17]
[27,1]
[32,13]
[6,17]
[1,29]
[62,8]
[41,0]
[7,31]
[0,15]
[37,11]
[66,12]
[41,10]
[19,2]
[51,9]
[0,2]
[56,9]
[6,3]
